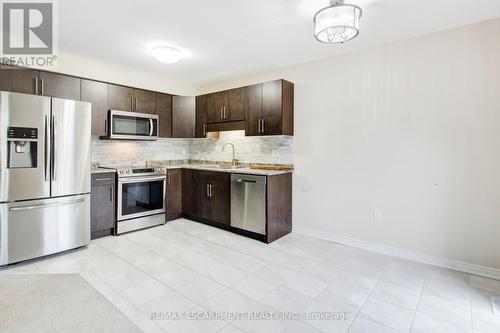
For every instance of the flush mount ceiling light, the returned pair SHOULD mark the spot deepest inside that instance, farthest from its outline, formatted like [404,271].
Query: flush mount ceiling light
[337,23]
[166,54]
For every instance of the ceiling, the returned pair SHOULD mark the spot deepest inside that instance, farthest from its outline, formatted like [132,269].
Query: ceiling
[227,38]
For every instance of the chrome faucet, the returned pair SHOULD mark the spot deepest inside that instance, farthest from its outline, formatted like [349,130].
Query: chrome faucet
[234,162]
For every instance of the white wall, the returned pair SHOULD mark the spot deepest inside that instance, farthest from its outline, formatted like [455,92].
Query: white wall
[411,128]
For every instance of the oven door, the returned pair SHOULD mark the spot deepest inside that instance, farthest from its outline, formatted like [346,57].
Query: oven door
[132,125]
[140,196]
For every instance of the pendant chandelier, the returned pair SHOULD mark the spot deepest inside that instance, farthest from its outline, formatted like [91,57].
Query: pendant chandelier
[337,23]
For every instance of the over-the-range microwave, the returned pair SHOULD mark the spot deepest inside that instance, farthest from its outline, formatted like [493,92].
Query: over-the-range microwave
[125,125]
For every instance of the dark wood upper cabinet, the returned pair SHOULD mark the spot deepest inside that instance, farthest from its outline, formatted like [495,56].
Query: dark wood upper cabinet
[183,117]
[144,101]
[164,112]
[96,93]
[201,116]
[235,105]
[120,98]
[215,105]
[272,107]
[269,108]
[102,204]
[174,194]
[253,108]
[59,85]
[226,106]
[21,80]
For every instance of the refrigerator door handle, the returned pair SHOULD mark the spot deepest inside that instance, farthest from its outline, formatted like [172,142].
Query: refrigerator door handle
[46,151]
[53,164]
[55,204]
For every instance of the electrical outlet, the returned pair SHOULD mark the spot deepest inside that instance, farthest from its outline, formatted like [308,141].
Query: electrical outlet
[377,215]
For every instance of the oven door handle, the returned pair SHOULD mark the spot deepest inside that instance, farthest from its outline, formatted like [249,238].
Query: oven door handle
[151,126]
[140,179]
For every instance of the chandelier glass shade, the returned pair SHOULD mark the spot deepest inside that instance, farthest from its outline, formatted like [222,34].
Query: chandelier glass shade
[337,23]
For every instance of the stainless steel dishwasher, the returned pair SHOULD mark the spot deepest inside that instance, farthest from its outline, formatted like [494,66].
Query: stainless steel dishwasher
[248,203]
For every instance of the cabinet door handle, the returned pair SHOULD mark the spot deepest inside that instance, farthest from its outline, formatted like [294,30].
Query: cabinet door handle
[105,126]
[168,178]
[208,190]
[102,179]
[204,129]
[258,126]
[35,86]
[111,193]
[225,113]
[221,116]
[41,86]
[131,103]
[263,126]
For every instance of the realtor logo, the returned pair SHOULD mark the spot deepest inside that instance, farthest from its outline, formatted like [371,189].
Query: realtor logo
[28,33]
[27,28]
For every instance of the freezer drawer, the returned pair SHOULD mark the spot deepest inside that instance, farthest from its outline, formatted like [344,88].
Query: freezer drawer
[37,228]
[248,203]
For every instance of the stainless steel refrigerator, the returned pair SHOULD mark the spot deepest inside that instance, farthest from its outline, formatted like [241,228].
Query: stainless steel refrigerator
[45,153]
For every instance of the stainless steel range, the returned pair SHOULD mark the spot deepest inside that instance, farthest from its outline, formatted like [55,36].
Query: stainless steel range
[141,198]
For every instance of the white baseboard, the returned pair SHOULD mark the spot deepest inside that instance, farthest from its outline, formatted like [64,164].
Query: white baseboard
[462,266]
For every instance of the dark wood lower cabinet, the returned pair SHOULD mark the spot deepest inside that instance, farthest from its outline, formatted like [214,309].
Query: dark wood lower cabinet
[174,194]
[203,196]
[102,204]
[207,195]
[279,206]
[195,194]
[219,198]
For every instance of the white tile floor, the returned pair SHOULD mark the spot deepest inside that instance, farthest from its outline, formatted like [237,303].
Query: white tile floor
[186,266]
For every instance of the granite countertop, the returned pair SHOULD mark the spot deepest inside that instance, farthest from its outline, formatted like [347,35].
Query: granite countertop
[205,166]
[101,170]
[244,170]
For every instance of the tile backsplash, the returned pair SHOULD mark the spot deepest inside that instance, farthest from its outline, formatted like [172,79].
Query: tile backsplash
[265,149]
[268,150]
[133,151]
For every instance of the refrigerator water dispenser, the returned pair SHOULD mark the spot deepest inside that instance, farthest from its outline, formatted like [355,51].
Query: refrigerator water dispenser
[22,147]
